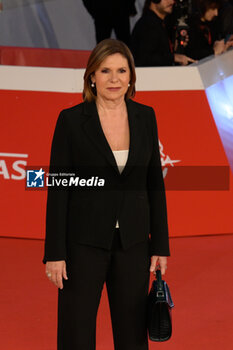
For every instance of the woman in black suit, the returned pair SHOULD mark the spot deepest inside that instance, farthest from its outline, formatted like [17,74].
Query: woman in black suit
[116,232]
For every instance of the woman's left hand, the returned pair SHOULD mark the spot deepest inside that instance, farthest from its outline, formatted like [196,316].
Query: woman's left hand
[160,261]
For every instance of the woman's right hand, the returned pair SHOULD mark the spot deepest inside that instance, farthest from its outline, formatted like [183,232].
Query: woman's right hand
[219,47]
[56,271]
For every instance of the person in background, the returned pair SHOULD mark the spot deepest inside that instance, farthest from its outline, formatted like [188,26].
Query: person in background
[205,36]
[150,42]
[111,15]
[226,21]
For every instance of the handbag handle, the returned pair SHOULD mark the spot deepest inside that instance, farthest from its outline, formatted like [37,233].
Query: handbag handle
[159,280]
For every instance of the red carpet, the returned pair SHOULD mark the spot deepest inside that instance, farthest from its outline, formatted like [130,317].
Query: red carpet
[199,276]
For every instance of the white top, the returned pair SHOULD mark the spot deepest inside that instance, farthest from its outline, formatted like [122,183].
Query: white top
[121,159]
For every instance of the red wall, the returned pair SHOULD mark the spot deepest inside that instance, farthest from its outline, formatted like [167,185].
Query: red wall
[186,130]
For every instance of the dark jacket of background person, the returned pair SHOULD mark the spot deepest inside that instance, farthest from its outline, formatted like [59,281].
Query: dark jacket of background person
[135,198]
[150,42]
[103,8]
[202,36]
[226,19]
[111,15]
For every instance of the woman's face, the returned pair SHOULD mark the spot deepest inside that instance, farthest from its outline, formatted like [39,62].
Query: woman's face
[210,14]
[112,78]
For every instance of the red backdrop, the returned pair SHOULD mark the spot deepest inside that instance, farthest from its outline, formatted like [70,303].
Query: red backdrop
[187,133]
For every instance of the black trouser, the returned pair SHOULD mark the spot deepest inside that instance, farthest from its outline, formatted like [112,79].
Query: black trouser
[105,25]
[126,273]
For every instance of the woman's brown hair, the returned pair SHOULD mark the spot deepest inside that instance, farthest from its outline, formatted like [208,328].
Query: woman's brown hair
[104,49]
[205,5]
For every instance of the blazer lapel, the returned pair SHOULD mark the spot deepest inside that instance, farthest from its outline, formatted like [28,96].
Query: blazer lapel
[134,128]
[95,132]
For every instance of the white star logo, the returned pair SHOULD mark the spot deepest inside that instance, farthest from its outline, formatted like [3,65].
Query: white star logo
[39,174]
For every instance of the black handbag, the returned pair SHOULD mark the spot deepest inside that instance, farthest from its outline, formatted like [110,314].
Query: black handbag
[160,305]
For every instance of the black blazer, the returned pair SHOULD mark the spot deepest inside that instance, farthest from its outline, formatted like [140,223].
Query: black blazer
[136,197]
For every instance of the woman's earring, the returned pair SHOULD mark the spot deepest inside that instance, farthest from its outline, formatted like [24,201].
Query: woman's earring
[129,85]
[92,85]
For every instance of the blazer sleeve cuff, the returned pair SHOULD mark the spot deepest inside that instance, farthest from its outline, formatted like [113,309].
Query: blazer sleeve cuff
[53,258]
[159,252]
